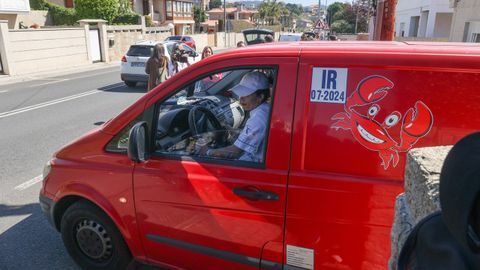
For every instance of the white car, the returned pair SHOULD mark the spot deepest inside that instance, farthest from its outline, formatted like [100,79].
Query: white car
[133,63]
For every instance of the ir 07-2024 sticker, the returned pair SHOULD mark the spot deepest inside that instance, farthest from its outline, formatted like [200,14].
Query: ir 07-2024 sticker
[329,85]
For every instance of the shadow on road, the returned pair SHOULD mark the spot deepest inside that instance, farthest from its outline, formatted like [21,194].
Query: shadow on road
[17,210]
[31,243]
[122,88]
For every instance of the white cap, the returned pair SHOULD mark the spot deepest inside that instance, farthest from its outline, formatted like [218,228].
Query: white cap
[250,83]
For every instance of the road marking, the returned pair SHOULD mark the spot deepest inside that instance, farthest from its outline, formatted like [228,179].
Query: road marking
[47,83]
[56,101]
[29,183]
[48,103]
[100,73]
[3,91]
[52,81]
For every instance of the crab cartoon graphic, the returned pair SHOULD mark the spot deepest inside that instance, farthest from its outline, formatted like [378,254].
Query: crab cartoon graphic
[373,134]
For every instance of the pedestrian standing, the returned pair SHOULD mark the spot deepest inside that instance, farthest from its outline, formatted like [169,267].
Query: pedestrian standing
[157,67]
[207,51]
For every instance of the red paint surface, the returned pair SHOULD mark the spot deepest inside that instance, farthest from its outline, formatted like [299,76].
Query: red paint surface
[335,195]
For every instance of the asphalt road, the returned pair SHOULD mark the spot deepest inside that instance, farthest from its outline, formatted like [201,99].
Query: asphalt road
[37,118]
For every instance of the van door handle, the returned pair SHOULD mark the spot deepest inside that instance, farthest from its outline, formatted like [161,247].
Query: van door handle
[256,194]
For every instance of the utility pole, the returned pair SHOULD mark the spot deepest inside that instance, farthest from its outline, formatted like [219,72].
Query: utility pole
[224,23]
[356,16]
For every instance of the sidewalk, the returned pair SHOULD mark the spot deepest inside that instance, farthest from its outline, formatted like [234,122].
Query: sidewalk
[6,79]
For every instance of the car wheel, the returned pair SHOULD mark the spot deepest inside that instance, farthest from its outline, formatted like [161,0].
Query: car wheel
[92,239]
[130,83]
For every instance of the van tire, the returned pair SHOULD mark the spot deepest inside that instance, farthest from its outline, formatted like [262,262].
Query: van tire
[130,83]
[92,239]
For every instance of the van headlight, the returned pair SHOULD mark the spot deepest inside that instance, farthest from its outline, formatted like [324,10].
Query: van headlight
[46,170]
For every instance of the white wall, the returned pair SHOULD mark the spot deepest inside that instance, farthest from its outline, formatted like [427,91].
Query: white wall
[466,11]
[32,51]
[428,25]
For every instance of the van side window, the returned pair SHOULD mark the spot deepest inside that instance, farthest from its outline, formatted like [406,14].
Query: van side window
[221,116]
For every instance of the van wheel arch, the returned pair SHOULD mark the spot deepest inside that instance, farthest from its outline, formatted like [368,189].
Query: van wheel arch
[62,206]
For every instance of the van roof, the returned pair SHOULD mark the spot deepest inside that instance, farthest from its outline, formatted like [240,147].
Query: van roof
[308,47]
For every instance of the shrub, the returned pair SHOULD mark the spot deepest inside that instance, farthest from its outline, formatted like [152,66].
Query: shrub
[128,18]
[38,5]
[61,15]
[97,9]
[342,26]
[148,21]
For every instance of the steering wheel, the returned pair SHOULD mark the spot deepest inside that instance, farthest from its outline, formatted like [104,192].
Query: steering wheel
[201,120]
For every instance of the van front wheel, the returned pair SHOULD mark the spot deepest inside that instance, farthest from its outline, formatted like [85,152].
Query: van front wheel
[92,239]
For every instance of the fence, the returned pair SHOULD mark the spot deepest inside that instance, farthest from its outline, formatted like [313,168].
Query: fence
[29,51]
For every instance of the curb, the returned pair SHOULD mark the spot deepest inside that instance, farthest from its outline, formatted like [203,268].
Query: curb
[7,79]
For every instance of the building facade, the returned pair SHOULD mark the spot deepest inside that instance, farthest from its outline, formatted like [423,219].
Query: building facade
[466,21]
[425,18]
[168,12]
[10,9]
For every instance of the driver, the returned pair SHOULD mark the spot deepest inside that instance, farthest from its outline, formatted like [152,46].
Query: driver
[253,91]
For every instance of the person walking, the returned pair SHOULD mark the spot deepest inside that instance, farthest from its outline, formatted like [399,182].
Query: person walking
[157,67]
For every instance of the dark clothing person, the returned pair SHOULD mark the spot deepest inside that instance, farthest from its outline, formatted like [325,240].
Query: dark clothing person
[157,67]
[450,239]
[430,245]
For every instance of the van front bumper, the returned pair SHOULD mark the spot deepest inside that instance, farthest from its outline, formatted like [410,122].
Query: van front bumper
[47,206]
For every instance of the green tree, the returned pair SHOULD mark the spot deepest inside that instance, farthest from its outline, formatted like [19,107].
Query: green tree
[332,9]
[214,4]
[270,11]
[97,9]
[199,16]
[342,26]
[296,10]
[125,7]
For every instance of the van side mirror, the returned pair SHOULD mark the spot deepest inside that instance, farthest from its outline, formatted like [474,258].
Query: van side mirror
[137,142]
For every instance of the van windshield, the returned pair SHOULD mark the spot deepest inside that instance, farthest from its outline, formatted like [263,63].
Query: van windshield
[139,50]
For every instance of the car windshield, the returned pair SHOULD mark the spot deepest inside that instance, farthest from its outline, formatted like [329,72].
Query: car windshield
[138,50]
[260,38]
[289,38]
[174,38]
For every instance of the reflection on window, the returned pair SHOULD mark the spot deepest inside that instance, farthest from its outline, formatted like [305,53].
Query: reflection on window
[206,119]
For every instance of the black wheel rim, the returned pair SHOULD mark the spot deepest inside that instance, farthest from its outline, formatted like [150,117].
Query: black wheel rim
[93,240]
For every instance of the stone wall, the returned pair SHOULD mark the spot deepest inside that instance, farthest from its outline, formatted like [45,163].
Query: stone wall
[121,37]
[421,196]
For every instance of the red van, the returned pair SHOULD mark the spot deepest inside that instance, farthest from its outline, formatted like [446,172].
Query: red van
[319,191]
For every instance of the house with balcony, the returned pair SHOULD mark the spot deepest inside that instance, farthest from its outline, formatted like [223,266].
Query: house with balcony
[235,13]
[423,19]
[466,21]
[166,12]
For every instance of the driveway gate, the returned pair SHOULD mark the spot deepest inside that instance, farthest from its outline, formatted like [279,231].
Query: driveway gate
[95,45]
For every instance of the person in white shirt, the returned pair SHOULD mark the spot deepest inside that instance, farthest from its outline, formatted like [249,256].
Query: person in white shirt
[253,91]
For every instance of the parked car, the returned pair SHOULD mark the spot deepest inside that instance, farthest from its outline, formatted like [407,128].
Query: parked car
[290,37]
[184,39]
[257,36]
[133,63]
[337,128]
